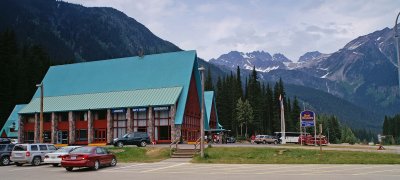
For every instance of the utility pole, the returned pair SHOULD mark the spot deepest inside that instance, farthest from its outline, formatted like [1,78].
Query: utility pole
[202,69]
[396,37]
[41,112]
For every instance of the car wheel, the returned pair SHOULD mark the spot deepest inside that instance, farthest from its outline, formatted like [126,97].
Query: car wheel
[69,168]
[264,142]
[275,142]
[18,164]
[5,161]
[257,142]
[120,144]
[96,165]
[36,161]
[113,162]
[55,165]
[143,144]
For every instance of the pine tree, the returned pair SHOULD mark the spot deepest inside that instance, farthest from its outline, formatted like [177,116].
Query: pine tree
[208,85]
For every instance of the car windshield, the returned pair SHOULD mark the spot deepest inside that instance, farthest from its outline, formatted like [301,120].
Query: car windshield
[20,148]
[82,150]
[64,150]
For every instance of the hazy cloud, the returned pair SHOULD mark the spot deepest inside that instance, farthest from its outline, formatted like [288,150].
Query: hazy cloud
[288,27]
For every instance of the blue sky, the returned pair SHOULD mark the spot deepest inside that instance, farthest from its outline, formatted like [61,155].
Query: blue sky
[290,27]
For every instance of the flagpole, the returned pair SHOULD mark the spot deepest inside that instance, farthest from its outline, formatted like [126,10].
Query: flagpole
[283,129]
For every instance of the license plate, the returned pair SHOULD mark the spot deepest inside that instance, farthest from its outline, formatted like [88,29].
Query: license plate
[52,157]
[73,157]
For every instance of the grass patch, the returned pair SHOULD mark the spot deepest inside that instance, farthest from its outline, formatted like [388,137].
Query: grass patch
[248,155]
[136,154]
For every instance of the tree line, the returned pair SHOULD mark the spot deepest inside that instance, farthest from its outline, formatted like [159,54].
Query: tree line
[391,129]
[22,66]
[253,107]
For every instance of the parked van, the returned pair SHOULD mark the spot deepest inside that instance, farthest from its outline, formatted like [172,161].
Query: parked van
[30,153]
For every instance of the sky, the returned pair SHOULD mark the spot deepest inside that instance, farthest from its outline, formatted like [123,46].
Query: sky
[290,27]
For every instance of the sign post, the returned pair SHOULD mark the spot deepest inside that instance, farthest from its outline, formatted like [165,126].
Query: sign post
[307,119]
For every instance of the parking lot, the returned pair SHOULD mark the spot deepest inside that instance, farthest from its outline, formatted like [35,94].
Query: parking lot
[177,169]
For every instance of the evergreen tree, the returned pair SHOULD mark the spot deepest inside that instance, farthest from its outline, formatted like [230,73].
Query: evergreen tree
[208,85]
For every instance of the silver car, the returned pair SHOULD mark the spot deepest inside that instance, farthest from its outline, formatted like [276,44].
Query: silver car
[54,158]
[30,153]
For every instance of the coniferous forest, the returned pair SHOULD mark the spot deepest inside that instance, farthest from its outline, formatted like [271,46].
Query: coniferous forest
[22,66]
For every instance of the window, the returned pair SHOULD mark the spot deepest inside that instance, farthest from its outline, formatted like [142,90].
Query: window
[81,135]
[20,148]
[52,148]
[47,136]
[34,148]
[43,147]
[140,120]
[2,147]
[10,147]
[81,116]
[119,120]
[63,116]
[100,151]
[100,115]
[47,117]
[30,119]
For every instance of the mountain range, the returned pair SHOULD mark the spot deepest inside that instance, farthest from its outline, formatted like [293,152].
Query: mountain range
[363,72]
[360,77]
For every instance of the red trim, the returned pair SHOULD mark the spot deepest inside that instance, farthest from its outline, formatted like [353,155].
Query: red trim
[191,121]
[29,127]
[100,123]
[4,134]
[47,126]
[63,125]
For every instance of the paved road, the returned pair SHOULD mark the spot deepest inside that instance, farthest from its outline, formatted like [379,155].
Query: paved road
[175,170]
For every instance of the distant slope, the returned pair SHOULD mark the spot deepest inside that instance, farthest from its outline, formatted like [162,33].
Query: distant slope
[325,103]
[71,32]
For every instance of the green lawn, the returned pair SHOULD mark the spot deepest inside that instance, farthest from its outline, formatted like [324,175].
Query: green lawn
[248,155]
[138,154]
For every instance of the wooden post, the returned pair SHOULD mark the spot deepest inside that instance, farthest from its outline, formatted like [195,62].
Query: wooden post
[129,120]
[320,138]
[172,122]
[36,133]
[151,124]
[21,137]
[109,127]
[71,122]
[54,124]
[90,127]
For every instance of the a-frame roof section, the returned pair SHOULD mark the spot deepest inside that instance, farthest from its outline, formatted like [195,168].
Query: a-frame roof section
[123,74]
[12,121]
[209,100]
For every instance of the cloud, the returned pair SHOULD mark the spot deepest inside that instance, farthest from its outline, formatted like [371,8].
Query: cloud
[289,27]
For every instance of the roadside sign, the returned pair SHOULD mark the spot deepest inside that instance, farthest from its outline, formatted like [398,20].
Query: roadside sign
[307,118]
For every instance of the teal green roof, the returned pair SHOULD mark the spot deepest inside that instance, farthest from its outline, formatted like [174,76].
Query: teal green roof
[12,121]
[209,99]
[120,99]
[124,74]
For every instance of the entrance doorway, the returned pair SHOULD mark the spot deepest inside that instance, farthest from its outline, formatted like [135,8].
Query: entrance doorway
[164,133]
[100,136]
[62,137]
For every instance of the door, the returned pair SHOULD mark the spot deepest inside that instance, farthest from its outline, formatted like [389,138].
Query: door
[100,135]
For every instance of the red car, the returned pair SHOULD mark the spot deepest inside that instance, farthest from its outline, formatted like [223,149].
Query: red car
[92,157]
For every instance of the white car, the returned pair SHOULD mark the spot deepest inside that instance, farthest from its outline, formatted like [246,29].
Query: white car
[54,158]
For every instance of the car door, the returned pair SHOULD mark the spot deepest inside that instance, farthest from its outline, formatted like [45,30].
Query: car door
[136,138]
[107,156]
[100,155]
[130,139]
[43,150]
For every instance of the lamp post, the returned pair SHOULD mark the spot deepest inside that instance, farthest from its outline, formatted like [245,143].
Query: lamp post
[202,69]
[41,112]
[396,36]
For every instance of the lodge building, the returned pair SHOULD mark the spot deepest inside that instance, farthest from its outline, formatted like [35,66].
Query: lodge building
[95,102]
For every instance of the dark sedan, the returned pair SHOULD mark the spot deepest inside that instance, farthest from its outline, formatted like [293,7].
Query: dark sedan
[92,157]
